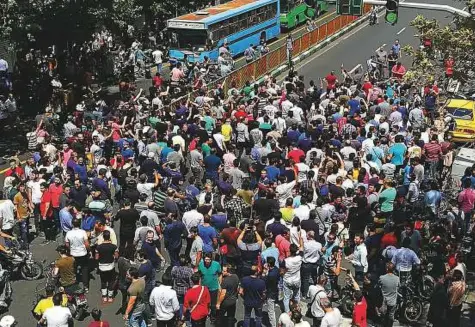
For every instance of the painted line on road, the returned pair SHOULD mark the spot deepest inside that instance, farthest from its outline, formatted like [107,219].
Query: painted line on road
[402,30]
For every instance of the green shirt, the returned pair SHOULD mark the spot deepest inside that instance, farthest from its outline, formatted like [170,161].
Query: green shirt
[210,275]
[247,90]
[209,123]
[206,149]
[386,199]
[153,121]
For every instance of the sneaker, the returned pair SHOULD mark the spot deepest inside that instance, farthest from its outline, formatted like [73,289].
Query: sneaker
[86,290]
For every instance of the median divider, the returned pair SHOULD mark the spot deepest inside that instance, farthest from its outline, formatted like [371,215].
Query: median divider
[277,61]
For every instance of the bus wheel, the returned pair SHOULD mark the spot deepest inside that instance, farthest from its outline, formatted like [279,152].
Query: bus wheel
[263,37]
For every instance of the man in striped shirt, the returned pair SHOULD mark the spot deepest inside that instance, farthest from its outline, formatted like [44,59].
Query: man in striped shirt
[433,154]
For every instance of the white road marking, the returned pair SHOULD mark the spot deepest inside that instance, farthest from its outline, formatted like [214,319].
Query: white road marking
[402,30]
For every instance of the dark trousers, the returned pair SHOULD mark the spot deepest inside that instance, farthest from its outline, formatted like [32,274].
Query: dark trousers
[198,323]
[257,314]
[309,274]
[174,256]
[317,322]
[126,243]
[225,315]
[82,269]
[214,300]
[49,229]
[389,316]
[57,223]
[36,216]
[107,279]
[167,323]
[453,316]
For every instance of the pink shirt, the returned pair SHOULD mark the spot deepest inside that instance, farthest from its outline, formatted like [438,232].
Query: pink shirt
[466,200]
[177,74]
[115,132]
[67,156]
[284,247]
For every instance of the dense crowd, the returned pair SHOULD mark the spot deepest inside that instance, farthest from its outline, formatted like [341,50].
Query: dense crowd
[265,193]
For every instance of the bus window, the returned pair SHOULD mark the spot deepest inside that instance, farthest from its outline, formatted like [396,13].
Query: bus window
[187,37]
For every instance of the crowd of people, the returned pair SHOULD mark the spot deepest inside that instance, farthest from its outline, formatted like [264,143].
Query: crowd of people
[263,195]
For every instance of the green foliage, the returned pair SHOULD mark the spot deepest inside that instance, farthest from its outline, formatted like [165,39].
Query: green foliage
[456,39]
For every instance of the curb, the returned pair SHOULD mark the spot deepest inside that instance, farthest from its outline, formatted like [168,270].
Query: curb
[278,71]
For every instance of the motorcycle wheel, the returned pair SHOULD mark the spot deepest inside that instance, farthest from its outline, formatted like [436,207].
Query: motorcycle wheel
[347,305]
[31,271]
[412,311]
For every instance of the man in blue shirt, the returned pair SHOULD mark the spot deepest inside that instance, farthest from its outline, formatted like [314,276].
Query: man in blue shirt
[404,259]
[212,163]
[253,290]
[66,218]
[173,234]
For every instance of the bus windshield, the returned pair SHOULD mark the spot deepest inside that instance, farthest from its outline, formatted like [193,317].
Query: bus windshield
[188,39]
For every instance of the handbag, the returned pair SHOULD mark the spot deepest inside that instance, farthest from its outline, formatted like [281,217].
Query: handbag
[308,314]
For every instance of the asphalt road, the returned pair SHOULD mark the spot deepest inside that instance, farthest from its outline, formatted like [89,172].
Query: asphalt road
[351,50]
[357,46]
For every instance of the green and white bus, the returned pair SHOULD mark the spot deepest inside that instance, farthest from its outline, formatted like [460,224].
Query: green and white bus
[296,12]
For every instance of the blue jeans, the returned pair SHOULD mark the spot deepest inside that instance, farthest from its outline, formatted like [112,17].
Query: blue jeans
[137,320]
[159,68]
[291,292]
[23,230]
[257,314]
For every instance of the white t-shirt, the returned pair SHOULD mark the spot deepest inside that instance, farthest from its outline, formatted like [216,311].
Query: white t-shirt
[302,323]
[157,56]
[331,319]
[35,190]
[76,238]
[57,316]
[7,215]
[292,266]
[319,292]
[303,170]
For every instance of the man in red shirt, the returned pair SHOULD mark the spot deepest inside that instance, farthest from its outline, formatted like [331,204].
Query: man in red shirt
[295,154]
[331,81]
[360,308]
[197,301]
[46,212]
[56,189]
[15,170]
[449,67]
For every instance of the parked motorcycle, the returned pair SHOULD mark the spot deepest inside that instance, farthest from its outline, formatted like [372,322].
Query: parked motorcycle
[409,308]
[21,261]
[6,289]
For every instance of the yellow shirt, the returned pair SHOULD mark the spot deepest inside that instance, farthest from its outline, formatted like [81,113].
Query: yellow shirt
[48,303]
[287,214]
[226,130]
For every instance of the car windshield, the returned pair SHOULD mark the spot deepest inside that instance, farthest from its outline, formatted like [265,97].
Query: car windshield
[461,113]
[188,39]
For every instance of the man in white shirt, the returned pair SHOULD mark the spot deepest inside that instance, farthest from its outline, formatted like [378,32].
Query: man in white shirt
[332,317]
[157,56]
[34,194]
[165,301]
[7,216]
[78,243]
[316,294]
[56,316]
[359,259]
[311,254]
[291,276]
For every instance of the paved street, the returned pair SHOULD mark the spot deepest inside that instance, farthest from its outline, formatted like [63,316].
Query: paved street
[351,50]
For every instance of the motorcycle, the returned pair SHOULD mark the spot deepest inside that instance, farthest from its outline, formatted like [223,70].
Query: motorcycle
[347,301]
[6,289]
[77,300]
[22,261]
[409,308]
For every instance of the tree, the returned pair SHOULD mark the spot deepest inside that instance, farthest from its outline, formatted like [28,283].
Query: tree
[456,39]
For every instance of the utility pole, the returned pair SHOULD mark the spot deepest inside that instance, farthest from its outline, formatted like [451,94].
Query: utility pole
[428,6]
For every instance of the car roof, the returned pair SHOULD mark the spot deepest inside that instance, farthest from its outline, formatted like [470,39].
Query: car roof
[461,103]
